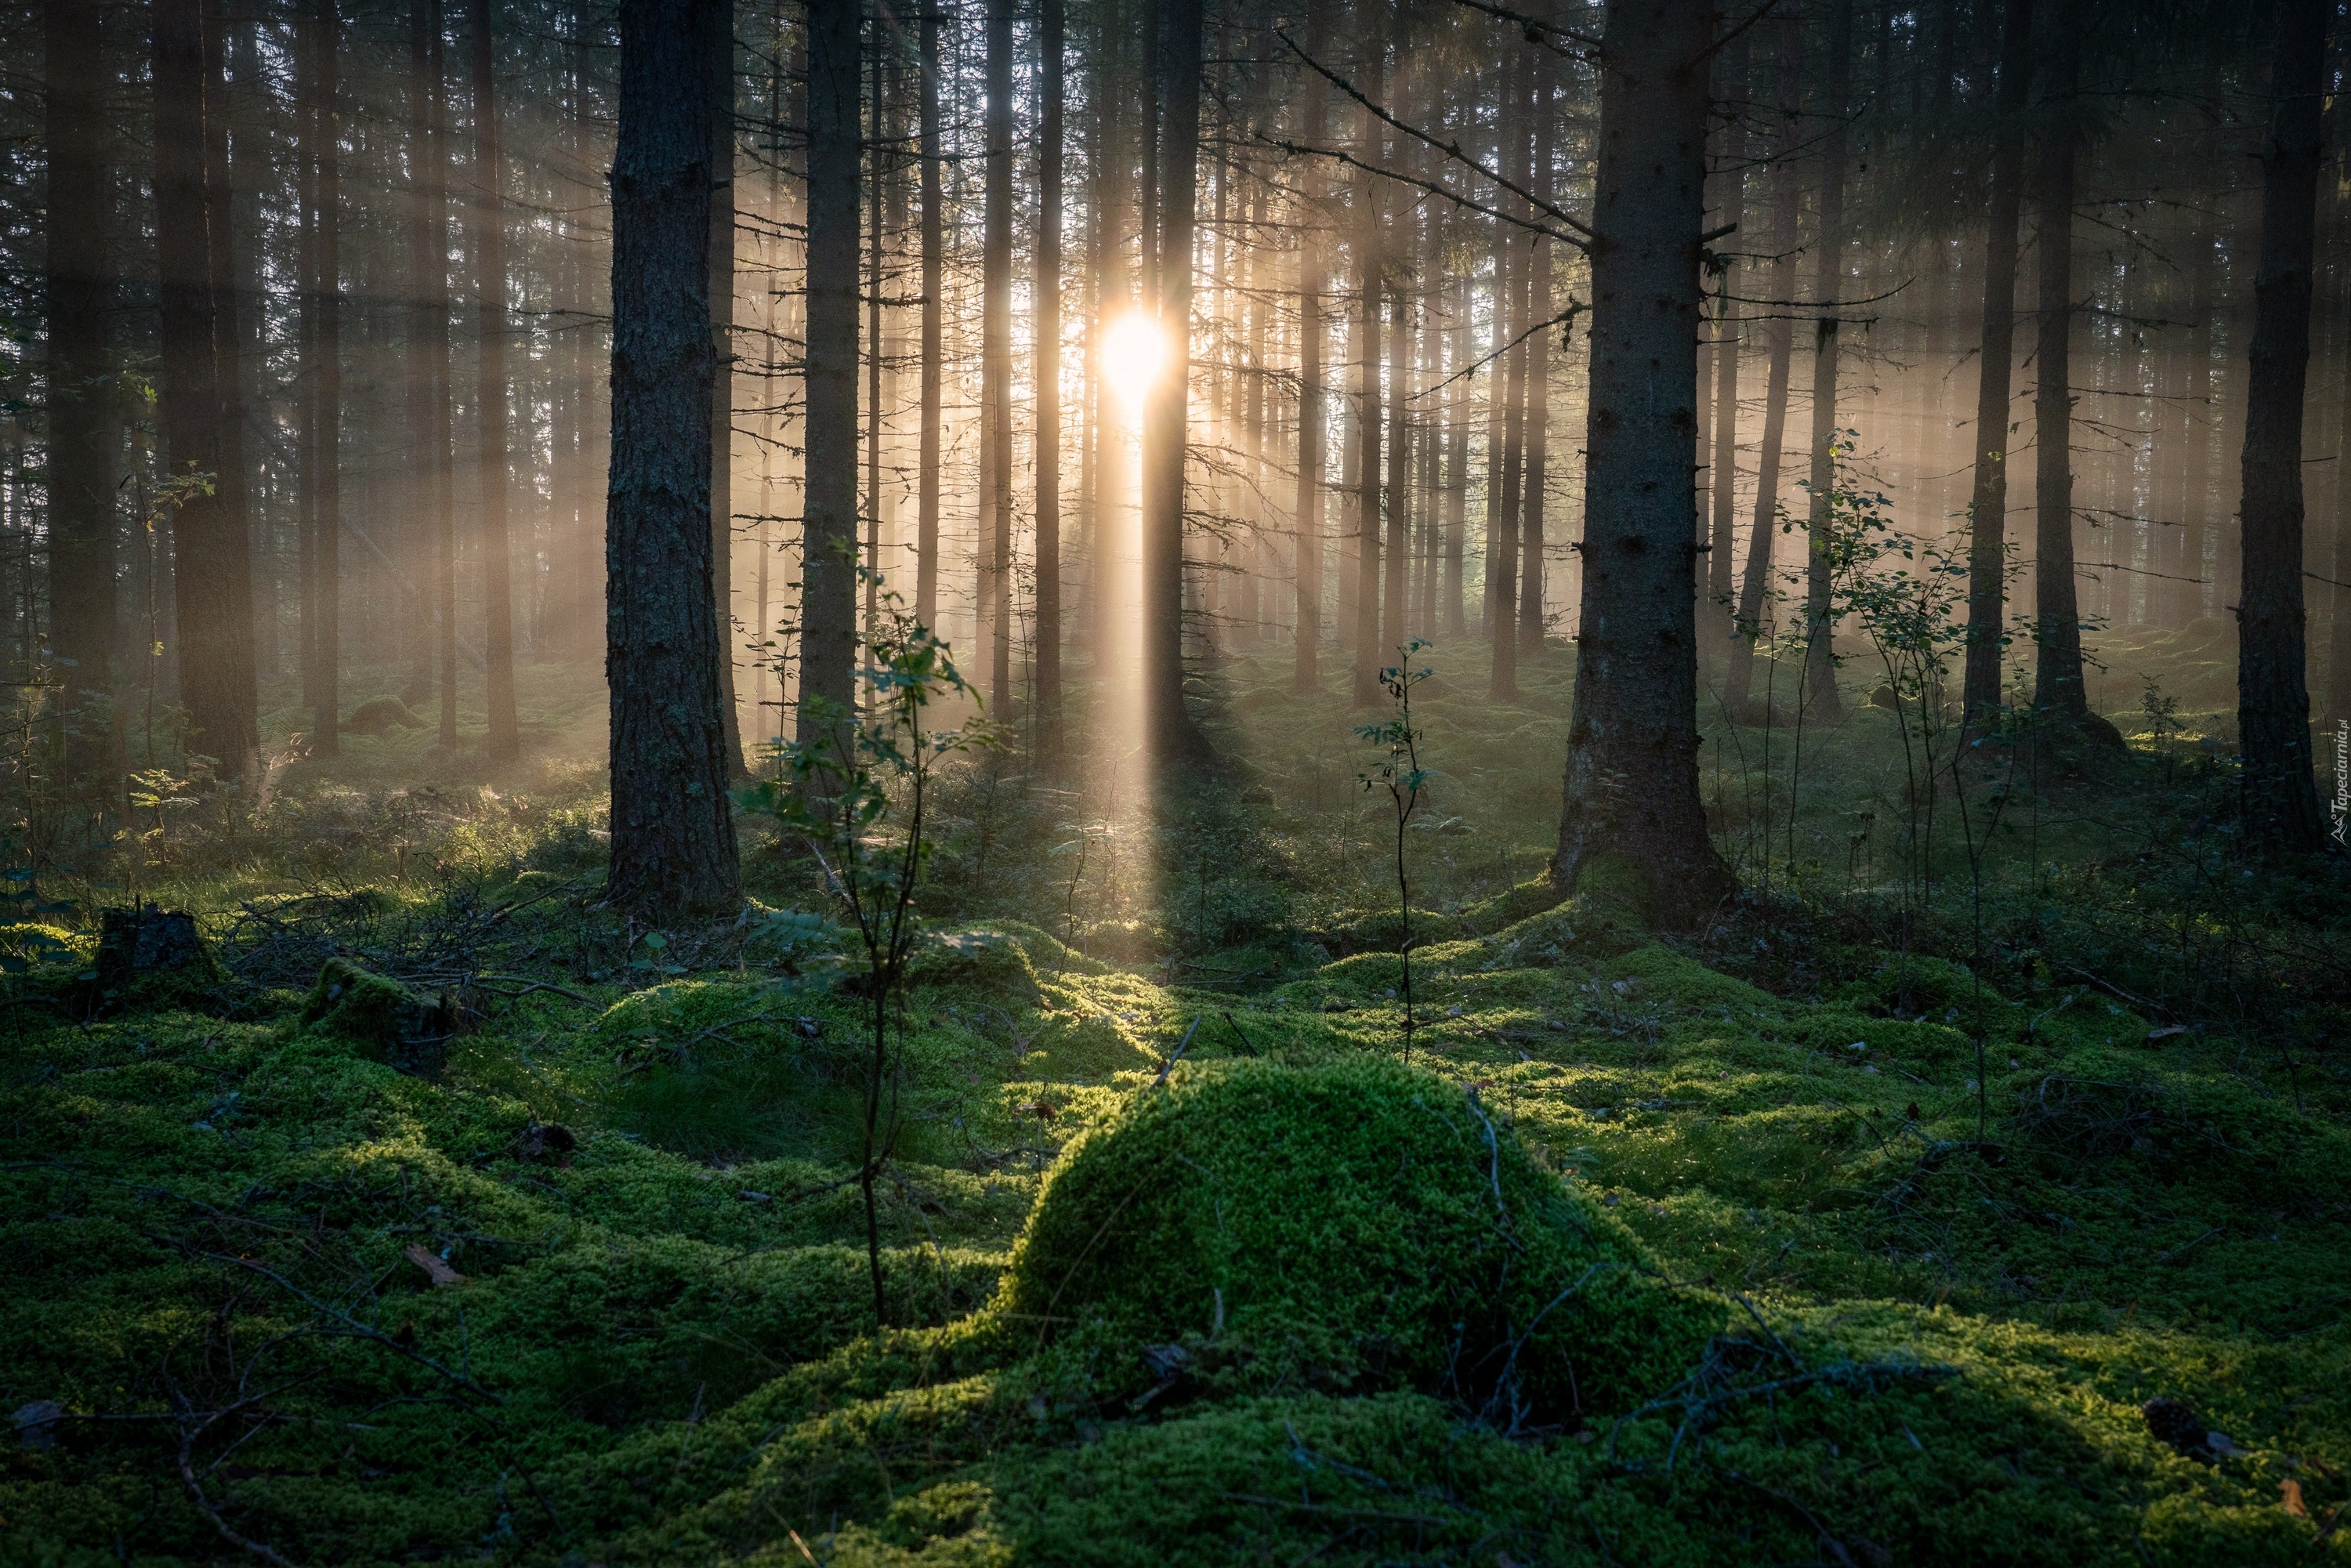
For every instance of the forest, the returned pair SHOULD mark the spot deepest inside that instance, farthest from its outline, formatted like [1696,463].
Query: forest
[1134,782]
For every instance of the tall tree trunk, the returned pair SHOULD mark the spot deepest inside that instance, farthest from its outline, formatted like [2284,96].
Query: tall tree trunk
[2280,798]
[927,516]
[1174,735]
[502,741]
[1313,265]
[1788,205]
[1988,506]
[1715,621]
[828,537]
[2057,688]
[1630,802]
[2202,411]
[1537,350]
[1051,39]
[324,411]
[1821,703]
[672,831]
[1505,439]
[1452,612]
[212,575]
[721,255]
[1393,601]
[1369,239]
[2337,704]
[996,360]
[432,308]
[82,469]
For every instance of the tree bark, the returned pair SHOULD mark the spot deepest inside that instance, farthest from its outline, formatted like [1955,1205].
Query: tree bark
[1630,802]
[1368,650]
[1821,703]
[1988,506]
[81,471]
[324,412]
[1312,280]
[995,360]
[1537,350]
[673,833]
[926,504]
[1788,204]
[2057,688]
[1174,735]
[2279,798]
[1506,438]
[212,575]
[829,506]
[1051,39]
[721,248]
[502,741]
[1715,621]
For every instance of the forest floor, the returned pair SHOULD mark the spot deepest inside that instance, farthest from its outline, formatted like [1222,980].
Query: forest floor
[1861,1228]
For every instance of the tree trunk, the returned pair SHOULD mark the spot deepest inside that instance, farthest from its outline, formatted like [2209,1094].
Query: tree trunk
[1050,39]
[1821,703]
[212,576]
[1369,647]
[1505,438]
[429,175]
[1537,350]
[502,741]
[1313,280]
[1398,567]
[324,412]
[1715,621]
[828,506]
[1174,736]
[2280,800]
[1788,204]
[672,833]
[1630,803]
[2057,688]
[996,361]
[721,250]
[1988,506]
[926,504]
[82,469]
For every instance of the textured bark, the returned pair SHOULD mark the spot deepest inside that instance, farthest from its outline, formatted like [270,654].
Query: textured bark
[2057,686]
[1821,703]
[926,504]
[1051,40]
[672,833]
[1630,800]
[323,413]
[2279,798]
[1715,623]
[1787,200]
[1988,506]
[829,530]
[212,575]
[1313,280]
[80,470]
[502,741]
[1537,350]
[1506,437]
[1399,566]
[1174,736]
[429,346]
[995,360]
[721,247]
[1369,243]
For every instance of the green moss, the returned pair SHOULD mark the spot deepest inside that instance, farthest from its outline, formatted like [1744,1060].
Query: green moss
[391,1022]
[1351,1223]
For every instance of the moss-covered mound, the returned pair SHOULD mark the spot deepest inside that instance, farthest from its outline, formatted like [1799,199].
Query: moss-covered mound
[1351,1224]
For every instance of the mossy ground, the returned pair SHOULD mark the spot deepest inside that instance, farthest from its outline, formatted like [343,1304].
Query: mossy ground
[1843,1326]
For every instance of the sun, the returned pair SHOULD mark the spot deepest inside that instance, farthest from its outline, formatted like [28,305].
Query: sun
[1134,354]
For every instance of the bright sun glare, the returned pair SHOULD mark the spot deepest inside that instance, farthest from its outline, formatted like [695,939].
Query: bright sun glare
[1133,356]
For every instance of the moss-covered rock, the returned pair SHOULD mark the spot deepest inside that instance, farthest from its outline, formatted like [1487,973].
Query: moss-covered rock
[393,1023]
[1351,1224]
